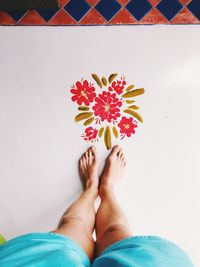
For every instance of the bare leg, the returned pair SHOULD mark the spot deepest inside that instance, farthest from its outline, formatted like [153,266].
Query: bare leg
[79,219]
[111,222]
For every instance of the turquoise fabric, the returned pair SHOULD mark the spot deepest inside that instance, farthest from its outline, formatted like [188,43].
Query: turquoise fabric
[143,251]
[50,249]
[42,250]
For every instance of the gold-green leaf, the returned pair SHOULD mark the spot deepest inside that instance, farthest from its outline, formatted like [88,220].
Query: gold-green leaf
[133,107]
[83,108]
[130,101]
[101,132]
[115,132]
[112,77]
[130,87]
[107,138]
[88,121]
[83,116]
[104,81]
[97,80]
[134,114]
[133,93]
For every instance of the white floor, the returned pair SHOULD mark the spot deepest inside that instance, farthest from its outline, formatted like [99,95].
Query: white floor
[40,144]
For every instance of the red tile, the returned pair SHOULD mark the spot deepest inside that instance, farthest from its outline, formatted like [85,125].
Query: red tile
[184,17]
[31,18]
[154,2]
[154,17]
[62,2]
[92,2]
[5,19]
[61,18]
[93,17]
[123,2]
[184,2]
[123,17]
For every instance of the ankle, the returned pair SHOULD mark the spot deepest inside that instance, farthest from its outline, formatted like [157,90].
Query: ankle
[105,189]
[91,188]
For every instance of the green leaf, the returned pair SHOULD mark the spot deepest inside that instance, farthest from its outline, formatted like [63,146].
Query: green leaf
[89,121]
[83,116]
[130,101]
[97,80]
[112,77]
[133,107]
[107,138]
[130,87]
[133,93]
[104,81]
[101,132]
[134,114]
[83,108]
[115,132]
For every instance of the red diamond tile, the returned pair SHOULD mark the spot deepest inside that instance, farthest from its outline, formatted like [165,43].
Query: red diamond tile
[123,17]
[154,17]
[62,2]
[123,2]
[61,18]
[184,2]
[5,19]
[93,17]
[92,2]
[184,17]
[32,18]
[154,2]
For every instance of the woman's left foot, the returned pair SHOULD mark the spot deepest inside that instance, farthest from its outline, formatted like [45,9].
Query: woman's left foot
[89,169]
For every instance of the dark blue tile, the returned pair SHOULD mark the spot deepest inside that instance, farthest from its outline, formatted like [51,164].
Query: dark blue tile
[108,8]
[17,15]
[47,14]
[77,8]
[194,7]
[138,8]
[169,8]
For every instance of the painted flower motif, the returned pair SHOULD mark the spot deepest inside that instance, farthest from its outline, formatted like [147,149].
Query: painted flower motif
[127,126]
[90,134]
[107,106]
[117,86]
[106,110]
[83,92]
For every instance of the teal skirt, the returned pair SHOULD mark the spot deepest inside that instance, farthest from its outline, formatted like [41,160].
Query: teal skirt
[50,249]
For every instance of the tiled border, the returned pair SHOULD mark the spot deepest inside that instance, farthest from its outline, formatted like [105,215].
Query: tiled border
[109,12]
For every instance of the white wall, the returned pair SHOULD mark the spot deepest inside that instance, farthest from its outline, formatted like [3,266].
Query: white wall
[40,144]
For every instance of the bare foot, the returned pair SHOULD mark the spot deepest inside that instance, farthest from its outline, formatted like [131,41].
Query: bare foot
[114,168]
[89,169]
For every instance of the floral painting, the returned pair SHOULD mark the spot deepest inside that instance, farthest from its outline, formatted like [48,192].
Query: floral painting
[106,108]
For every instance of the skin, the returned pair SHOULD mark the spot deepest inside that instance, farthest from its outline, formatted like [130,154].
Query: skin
[80,220]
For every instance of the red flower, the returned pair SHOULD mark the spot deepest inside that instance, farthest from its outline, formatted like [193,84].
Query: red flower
[117,86]
[127,126]
[90,134]
[107,106]
[83,93]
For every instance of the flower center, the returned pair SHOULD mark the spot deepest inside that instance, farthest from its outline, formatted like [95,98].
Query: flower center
[126,126]
[83,93]
[106,107]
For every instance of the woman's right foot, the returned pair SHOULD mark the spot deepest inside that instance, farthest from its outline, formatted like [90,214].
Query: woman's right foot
[113,170]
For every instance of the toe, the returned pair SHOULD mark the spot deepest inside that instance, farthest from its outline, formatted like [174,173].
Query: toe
[90,156]
[85,158]
[81,165]
[120,153]
[114,150]
[94,152]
